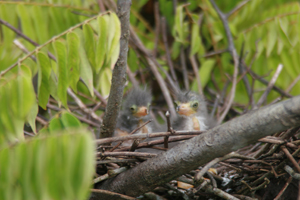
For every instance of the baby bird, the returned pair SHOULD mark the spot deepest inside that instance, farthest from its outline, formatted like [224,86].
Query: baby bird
[135,112]
[192,112]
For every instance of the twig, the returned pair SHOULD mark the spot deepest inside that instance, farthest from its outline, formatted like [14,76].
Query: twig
[234,55]
[216,160]
[243,71]
[23,48]
[295,81]
[284,188]
[119,73]
[265,82]
[269,87]
[195,69]
[168,54]
[214,53]
[82,106]
[266,182]
[170,129]
[112,194]
[237,8]
[131,77]
[137,154]
[126,161]
[290,157]
[157,27]
[213,181]
[218,192]
[183,194]
[101,5]
[132,132]
[99,96]
[110,174]
[147,135]
[160,141]
[184,69]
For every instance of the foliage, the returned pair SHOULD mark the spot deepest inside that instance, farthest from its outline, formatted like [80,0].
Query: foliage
[78,49]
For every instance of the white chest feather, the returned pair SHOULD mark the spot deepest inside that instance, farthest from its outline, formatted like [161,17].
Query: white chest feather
[190,124]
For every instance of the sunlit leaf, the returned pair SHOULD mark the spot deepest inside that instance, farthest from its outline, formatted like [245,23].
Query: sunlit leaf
[36,169]
[63,82]
[195,40]
[101,48]
[73,59]
[69,121]
[89,44]
[105,81]
[205,71]
[44,76]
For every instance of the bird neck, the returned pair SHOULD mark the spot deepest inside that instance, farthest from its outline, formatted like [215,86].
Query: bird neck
[144,128]
[196,124]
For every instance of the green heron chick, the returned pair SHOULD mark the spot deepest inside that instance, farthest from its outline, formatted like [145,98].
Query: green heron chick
[135,112]
[192,112]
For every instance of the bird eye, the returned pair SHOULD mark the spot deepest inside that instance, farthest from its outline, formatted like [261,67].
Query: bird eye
[195,105]
[132,108]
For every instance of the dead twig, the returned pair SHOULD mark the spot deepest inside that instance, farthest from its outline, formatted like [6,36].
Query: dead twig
[269,87]
[234,55]
[168,54]
[216,160]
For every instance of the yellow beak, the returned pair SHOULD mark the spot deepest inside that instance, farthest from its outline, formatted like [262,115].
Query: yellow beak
[185,109]
[142,111]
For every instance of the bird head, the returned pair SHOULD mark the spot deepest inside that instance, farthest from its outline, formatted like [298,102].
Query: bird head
[137,103]
[189,104]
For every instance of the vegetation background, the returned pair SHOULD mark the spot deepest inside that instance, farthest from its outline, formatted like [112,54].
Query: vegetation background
[56,61]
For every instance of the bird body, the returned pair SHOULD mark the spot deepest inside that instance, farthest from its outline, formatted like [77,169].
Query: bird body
[134,113]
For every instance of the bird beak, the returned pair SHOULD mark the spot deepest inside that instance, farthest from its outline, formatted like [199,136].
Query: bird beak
[142,111]
[185,109]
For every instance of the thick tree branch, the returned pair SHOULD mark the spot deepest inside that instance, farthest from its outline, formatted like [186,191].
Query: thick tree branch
[222,140]
[119,73]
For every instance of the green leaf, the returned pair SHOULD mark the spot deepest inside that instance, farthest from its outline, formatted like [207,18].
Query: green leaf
[73,59]
[205,71]
[32,116]
[44,76]
[115,43]
[69,121]
[39,17]
[271,39]
[61,56]
[101,48]
[179,29]
[58,166]
[195,40]
[55,125]
[86,72]
[89,43]
[105,81]
[26,22]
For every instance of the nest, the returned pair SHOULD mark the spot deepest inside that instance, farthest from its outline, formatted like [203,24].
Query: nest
[268,169]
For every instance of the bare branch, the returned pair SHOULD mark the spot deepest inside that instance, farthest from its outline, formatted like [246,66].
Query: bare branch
[270,86]
[235,57]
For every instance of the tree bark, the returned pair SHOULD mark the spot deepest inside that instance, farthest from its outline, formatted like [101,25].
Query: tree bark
[216,142]
[119,73]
